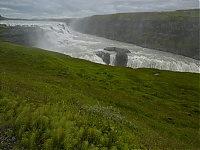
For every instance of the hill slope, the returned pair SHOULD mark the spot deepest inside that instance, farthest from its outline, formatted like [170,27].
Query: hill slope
[52,101]
[176,32]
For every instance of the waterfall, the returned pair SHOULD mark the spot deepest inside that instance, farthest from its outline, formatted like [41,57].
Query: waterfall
[112,59]
[144,62]
[60,38]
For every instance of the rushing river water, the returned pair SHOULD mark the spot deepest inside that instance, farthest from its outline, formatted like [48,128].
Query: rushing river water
[65,40]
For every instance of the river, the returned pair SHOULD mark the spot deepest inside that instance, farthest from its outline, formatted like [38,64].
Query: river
[65,40]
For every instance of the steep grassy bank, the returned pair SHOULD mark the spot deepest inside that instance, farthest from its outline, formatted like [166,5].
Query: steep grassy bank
[52,101]
[176,32]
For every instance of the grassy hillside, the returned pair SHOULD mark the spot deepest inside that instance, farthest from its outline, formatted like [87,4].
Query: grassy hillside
[52,101]
[176,32]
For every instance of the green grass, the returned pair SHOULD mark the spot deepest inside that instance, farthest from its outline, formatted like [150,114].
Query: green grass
[52,101]
[158,16]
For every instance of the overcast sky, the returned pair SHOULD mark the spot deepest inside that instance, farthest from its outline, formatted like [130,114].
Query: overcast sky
[82,8]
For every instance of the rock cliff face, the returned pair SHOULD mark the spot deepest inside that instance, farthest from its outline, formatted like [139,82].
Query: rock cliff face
[2,18]
[121,56]
[176,32]
[27,36]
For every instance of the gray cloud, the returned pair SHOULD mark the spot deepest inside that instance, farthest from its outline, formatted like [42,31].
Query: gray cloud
[82,8]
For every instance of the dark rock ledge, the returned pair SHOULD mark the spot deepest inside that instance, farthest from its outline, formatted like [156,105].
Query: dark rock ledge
[121,58]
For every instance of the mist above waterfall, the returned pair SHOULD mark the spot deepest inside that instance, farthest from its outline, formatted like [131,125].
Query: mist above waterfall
[57,36]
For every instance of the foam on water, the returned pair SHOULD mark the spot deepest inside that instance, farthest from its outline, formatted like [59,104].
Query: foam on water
[174,65]
[67,41]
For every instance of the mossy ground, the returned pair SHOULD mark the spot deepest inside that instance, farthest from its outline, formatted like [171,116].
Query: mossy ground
[52,101]
[166,16]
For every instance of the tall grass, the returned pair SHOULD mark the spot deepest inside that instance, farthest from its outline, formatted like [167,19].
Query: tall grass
[53,101]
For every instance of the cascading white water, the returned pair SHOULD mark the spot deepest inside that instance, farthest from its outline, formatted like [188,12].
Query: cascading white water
[174,65]
[67,41]
[112,59]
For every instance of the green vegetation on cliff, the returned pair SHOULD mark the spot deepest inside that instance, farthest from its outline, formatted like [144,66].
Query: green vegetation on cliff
[176,32]
[52,101]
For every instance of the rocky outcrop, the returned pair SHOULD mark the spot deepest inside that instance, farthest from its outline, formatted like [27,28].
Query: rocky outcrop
[117,50]
[104,56]
[2,18]
[176,32]
[121,57]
